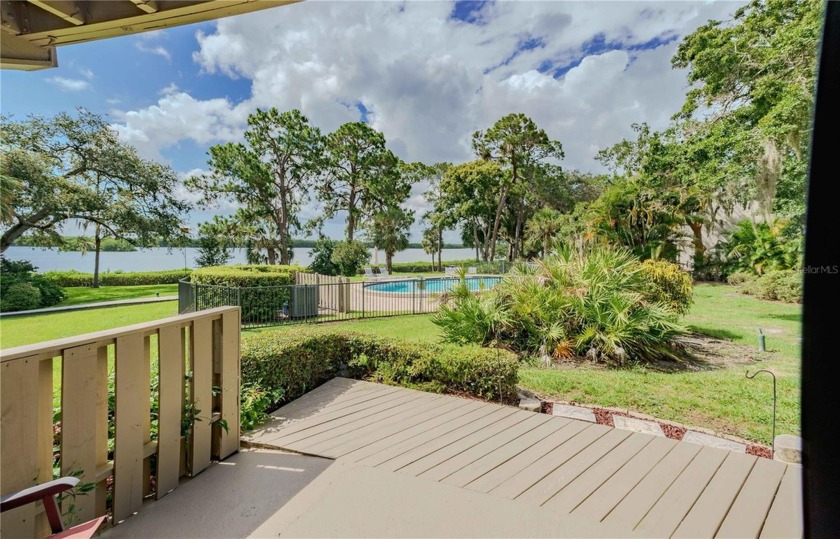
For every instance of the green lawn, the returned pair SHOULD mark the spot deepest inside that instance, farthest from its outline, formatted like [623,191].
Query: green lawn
[717,398]
[84,294]
[22,330]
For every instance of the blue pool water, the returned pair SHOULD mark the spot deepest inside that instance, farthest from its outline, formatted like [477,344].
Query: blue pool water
[435,284]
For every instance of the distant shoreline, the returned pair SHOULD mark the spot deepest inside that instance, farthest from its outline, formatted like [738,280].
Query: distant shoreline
[110,245]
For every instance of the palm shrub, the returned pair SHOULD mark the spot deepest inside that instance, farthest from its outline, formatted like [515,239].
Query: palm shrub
[761,247]
[594,303]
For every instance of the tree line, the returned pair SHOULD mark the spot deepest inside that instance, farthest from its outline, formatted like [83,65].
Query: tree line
[741,139]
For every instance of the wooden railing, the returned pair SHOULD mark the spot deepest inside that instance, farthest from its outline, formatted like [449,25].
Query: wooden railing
[105,388]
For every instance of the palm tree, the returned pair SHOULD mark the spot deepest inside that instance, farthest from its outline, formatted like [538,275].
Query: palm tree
[389,231]
[542,229]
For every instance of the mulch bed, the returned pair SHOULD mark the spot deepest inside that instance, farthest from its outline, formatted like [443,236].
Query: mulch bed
[672,431]
[759,451]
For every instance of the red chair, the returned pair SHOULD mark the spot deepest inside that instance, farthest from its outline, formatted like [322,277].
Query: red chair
[46,492]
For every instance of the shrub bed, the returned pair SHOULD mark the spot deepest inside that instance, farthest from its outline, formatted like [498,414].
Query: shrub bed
[118,278]
[782,285]
[590,304]
[293,363]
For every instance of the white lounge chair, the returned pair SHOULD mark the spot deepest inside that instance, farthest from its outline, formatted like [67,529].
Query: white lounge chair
[450,271]
[472,270]
[383,273]
[369,274]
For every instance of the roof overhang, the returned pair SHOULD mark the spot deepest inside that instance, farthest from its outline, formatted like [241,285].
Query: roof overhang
[30,30]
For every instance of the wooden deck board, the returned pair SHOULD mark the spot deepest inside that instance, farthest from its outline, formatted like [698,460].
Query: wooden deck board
[428,444]
[708,512]
[347,423]
[387,448]
[680,497]
[451,448]
[485,447]
[542,467]
[616,488]
[633,508]
[785,517]
[646,485]
[505,452]
[381,398]
[551,484]
[746,516]
[407,417]
[574,493]
[506,470]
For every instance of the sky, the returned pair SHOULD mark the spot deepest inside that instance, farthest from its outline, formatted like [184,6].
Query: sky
[426,74]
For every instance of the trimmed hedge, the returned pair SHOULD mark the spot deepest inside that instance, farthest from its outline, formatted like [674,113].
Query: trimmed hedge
[78,278]
[244,275]
[296,362]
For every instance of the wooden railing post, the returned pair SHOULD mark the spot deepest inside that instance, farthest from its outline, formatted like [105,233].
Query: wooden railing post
[26,434]
[230,383]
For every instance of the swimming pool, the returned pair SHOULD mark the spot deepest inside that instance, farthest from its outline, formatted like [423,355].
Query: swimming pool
[435,284]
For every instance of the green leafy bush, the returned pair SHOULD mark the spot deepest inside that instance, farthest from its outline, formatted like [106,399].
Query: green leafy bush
[590,303]
[322,257]
[260,290]
[667,284]
[117,278]
[20,297]
[740,277]
[349,257]
[775,285]
[38,293]
[298,361]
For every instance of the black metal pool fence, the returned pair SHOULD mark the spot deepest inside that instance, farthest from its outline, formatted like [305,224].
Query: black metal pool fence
[318,298]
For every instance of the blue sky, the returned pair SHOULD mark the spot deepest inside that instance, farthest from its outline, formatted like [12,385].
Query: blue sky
[427,74]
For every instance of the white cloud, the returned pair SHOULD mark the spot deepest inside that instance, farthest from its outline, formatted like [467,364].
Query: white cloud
[428,81]
[159,50]
[170,89]
[177,117]
[86,73]
[70,85]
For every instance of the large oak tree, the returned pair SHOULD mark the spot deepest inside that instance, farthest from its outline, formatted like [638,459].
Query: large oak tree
[75,168]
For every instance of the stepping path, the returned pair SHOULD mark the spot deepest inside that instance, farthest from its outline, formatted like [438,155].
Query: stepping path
[573,412]
[700,438]
[638,425]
